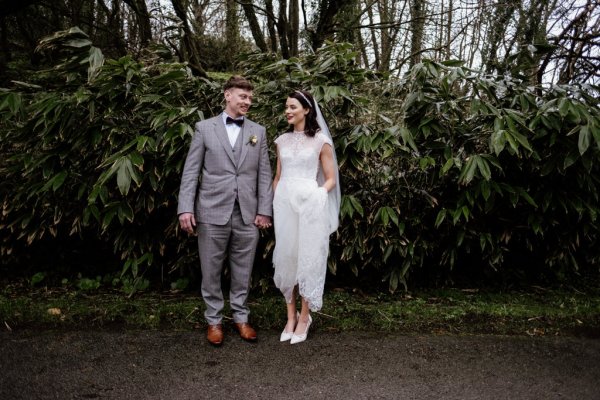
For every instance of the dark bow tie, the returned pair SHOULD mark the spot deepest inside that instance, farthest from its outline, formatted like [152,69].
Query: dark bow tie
[238,122]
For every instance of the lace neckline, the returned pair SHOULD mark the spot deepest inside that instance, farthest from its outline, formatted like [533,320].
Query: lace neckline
[298,132]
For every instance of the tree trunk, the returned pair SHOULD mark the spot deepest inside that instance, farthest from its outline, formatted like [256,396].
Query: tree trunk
[282,29]
[498,24]
[115,24]
[352,35]
[271,25]
[254,25]
[417,24]
[449,30]
[363,50]
[325,24]
[477,34]
[232,32]
[374,39]
[386,40]
[8,7]
[294,30]
[189,48]
[143,20]
[5,55]
[569,31]
[91,19]
[574,49]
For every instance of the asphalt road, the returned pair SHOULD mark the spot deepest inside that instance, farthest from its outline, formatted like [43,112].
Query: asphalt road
[182,365]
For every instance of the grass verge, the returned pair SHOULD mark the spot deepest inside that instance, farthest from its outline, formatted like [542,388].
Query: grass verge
[535,312]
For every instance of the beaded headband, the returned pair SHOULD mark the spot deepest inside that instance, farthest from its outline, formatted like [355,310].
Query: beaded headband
[305,98]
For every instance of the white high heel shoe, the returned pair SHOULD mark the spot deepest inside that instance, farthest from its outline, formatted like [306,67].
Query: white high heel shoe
[302,337]
[285,336]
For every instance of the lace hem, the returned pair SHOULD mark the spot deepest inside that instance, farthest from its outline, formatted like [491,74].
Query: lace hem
[312,293]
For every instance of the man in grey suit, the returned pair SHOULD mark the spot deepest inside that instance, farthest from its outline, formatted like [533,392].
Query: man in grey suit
[226,195]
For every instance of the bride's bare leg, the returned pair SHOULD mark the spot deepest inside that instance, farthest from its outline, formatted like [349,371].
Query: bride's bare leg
[291,314]
[303,321]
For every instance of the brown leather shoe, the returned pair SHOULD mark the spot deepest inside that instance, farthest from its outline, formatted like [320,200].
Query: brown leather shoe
[215,334]
[246,331]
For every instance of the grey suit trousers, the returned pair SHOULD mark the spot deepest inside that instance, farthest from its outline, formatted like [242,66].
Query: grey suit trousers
[215,242]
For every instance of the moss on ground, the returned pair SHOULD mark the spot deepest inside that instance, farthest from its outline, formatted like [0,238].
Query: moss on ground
[536,311]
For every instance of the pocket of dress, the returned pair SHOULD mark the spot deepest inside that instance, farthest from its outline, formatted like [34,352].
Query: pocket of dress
[317,201]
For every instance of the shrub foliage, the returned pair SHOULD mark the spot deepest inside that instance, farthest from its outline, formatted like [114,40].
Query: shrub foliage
[442,169]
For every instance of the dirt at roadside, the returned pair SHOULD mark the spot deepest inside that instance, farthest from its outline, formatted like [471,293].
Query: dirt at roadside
[182,365]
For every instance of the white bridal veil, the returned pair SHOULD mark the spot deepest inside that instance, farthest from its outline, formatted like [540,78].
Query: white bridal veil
[335,195]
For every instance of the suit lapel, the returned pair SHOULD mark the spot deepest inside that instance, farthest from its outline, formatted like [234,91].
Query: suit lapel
[221,133]
[246,133]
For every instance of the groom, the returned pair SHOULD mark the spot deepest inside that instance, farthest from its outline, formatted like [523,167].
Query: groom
[226,196]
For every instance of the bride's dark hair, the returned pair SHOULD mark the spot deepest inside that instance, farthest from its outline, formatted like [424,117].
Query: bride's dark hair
[311,126]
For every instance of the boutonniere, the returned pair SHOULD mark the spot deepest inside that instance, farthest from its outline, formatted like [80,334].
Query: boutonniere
[253,140]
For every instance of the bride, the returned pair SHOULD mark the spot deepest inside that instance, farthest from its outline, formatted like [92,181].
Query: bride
[306,208]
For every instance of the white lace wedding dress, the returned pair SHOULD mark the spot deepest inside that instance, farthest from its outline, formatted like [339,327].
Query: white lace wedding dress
[300,218]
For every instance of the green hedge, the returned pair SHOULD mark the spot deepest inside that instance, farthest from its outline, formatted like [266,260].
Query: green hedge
[446,173]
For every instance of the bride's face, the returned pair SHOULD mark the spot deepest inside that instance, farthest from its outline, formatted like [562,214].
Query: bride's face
[295,113]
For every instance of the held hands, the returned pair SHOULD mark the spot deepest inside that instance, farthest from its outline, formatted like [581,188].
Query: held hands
[187,222]
[262,221]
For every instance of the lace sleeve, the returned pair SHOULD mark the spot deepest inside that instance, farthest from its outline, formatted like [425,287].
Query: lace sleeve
[324,140]
[279,139]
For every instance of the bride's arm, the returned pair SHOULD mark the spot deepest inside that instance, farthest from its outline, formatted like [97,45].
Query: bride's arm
[328,166]
[277,171]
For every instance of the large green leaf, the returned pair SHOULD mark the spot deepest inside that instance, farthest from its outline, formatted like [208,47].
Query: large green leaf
[468,170]
[96,60]
[584,140]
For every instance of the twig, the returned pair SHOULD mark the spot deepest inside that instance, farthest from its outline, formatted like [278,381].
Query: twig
[575,289]
[325,315]
[539,288]
[8,326]
[385,316]
[193,311]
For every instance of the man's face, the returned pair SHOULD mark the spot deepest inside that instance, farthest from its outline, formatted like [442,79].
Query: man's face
[238,102]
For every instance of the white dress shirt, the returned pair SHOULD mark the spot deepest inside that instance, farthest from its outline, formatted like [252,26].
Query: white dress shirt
[233,130]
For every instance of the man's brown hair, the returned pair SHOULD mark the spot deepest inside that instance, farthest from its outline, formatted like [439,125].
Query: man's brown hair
[239,82]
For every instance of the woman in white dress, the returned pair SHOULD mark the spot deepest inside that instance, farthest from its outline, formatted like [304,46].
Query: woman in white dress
[306,208]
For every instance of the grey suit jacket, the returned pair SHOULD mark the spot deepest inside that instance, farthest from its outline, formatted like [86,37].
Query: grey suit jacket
[211,179]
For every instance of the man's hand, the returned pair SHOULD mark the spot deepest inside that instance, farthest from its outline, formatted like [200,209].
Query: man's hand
[187,222]
[262,221]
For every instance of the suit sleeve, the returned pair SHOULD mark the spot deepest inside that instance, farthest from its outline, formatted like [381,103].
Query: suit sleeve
[265,179]
[191,172]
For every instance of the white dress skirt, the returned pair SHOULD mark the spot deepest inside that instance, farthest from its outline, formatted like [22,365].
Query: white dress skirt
[300,219]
